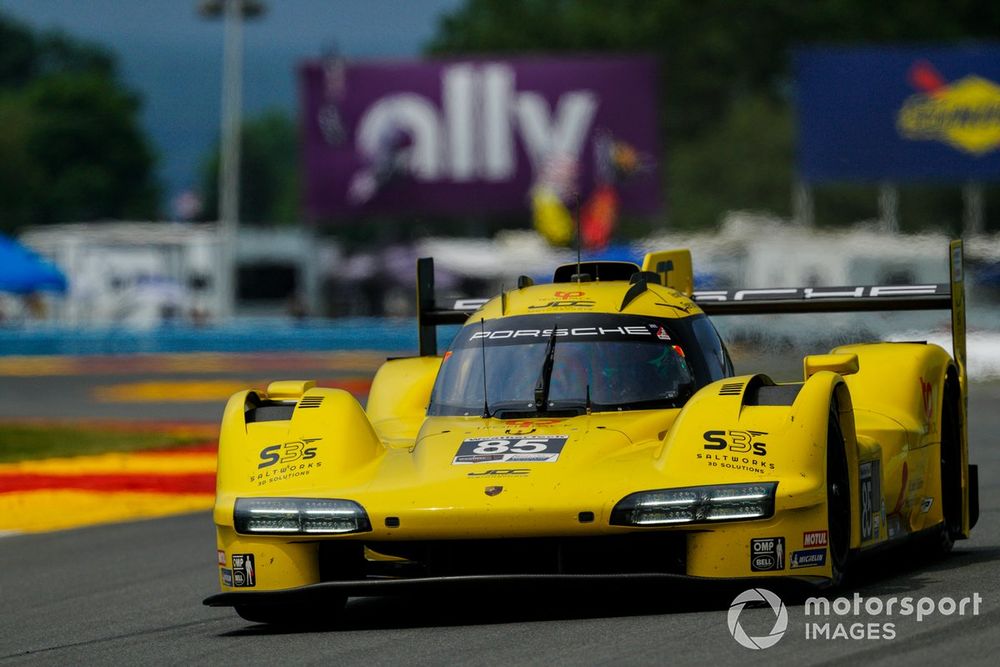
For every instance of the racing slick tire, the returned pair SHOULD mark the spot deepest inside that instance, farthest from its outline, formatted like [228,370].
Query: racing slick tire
[838,498]
[294,616]
[951,474]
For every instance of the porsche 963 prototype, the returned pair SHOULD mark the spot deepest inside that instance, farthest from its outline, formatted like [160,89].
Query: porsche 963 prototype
[595,428]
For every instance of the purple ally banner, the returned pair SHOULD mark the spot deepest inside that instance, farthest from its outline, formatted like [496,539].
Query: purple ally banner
[474,136]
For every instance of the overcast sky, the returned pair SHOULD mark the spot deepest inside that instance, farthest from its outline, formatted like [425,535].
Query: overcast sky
[173,57]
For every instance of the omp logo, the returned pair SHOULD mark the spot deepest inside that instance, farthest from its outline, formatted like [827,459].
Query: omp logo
[739,442]
[758,596]
[964,114]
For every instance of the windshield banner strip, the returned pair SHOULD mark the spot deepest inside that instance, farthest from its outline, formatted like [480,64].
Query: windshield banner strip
[576,327]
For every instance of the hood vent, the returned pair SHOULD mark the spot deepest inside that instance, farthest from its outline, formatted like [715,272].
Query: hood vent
[731,389]
[310,401]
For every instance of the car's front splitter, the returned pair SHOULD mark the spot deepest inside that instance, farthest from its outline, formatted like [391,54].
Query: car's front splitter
[534,582]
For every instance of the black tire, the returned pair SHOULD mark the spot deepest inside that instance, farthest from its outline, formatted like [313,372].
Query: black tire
[951,470]
[295,617]
[838,494]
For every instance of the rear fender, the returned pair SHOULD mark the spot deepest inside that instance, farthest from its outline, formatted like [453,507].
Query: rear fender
[915,401]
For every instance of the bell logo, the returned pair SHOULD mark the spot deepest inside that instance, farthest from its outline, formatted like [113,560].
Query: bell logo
[472,136]
[964,114]
[758,596]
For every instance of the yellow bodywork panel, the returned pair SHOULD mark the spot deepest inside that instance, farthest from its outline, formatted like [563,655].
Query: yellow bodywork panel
[674,267]
[398,398]
[284,389]
[843,364]
[588,297]
[423,478]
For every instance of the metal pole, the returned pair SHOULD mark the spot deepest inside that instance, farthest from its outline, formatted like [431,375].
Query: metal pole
[974,209]
[803,209]
[888,207]
[229,167]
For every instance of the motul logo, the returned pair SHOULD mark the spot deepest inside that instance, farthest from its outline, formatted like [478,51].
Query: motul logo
[816,538]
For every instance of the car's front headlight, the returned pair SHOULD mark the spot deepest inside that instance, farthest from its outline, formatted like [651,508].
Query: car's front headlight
[696,504]
[290,516]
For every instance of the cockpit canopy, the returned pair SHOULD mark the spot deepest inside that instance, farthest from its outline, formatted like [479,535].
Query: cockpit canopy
[598,361]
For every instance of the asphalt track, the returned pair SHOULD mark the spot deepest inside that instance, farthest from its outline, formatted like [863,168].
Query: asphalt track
[131,593]
[70,388]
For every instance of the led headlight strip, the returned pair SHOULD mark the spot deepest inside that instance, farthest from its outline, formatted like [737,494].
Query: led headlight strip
[299,516]
[696,504]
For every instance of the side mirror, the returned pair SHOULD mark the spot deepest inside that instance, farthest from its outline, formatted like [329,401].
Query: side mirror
[844,364]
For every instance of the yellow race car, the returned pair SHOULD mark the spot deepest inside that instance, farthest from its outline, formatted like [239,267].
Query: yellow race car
[589,429]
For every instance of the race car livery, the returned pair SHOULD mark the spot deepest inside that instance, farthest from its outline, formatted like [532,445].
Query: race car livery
[595,428]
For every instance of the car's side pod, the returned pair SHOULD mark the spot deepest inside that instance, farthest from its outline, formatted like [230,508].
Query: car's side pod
[299,451]
[748,429]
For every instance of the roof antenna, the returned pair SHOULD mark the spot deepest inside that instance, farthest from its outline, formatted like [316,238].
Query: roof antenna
[482,339]
[576,207]
[579,276]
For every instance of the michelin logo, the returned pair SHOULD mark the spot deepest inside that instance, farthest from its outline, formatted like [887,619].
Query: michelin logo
[808,558]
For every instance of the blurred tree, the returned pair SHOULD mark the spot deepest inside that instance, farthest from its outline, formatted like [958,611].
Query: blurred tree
[269,172]
[725,74]
[71,147]
[745,163]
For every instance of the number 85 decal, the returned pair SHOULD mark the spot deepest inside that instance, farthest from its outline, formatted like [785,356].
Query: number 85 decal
[484,450]
[503,446]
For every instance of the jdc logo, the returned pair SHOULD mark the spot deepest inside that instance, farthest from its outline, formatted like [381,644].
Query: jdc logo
[740,442]
[565,304]
[287,452]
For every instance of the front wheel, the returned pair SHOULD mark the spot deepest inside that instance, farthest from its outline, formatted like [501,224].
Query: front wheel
[838,497]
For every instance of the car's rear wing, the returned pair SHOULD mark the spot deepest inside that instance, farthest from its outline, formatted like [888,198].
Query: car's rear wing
[861,298]
[429,315]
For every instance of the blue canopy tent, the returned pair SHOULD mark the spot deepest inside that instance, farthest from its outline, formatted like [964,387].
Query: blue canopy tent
[22,271]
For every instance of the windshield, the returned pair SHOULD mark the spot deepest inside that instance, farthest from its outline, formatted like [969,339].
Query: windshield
[601,361]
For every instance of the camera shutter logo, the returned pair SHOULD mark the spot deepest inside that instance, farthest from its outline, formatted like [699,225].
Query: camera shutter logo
[780,618]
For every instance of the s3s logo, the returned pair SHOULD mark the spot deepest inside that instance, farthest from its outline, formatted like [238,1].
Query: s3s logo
[738,442]
[287,452]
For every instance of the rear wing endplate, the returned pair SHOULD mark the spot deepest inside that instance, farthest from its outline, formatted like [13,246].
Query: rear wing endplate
[789,300]
[429,316]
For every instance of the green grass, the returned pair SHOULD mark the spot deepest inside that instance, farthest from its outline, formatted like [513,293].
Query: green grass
[23,442]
